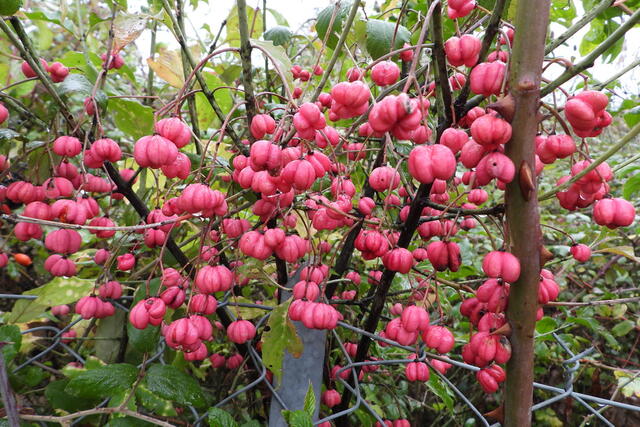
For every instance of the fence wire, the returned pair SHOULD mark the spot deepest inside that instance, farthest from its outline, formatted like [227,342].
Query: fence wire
[595,405]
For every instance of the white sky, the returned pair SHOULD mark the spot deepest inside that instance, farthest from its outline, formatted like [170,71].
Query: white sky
[298,11]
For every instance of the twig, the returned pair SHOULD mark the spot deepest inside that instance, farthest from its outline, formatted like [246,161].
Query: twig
[617,75]
[444,95]
[336,52]
[592,303]
[15,219]
[494,210]
[65,420]
[215,41]
[203,84]
[245,57]
[152,52]
[21,41]
[590,59]
[191,102]
[589,16]
[8,398]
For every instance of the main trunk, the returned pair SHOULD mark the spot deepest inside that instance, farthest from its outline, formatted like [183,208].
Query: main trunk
[523,221]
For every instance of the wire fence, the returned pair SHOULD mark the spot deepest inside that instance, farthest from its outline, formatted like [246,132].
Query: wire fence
[571,365]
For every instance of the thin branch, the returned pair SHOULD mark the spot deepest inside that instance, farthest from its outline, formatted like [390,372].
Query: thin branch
[617,75]
[203,84]
[191,102]
[22,109]
[21,41]
[493,210]
[65,420]
[15,219]
[8,398]
[445,113]
[589,16]
[590,59]
[592,303]
[336,52]
[245,57]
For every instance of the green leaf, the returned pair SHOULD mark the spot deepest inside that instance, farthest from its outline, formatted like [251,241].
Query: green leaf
[233,27]
[280,58]
[131,117]
[94,19]
[297,418]
[109,334]
[53,17]
[79,60]
[380,34]
[512,7]
[546,325]
[279,335]
[45,36]
[27,378]
[597,328]
[75,83]
[324,19]
[220,418]
[206,115]
[632,118]
[143,340]
[103,382]
[278,35]
[11,335]
[310,401]
[153,402]
[563,12]
[58,397]
[599,30]
[440,389]
[228,73]
[9,7]
[280,19]
[174,385]
[623,328]
[57,292]
[631,186]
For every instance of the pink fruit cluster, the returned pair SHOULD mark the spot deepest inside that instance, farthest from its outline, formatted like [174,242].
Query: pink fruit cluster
[460,8]
[56,70]
[586,113]
[464,50]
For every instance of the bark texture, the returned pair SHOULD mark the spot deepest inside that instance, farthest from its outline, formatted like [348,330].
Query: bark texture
[523,220]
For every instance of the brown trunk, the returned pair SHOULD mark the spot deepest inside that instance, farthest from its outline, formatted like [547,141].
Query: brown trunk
[523,221]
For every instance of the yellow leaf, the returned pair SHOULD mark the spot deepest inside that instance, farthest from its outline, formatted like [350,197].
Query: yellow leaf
[625,251]
[168,66]
[389,5]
